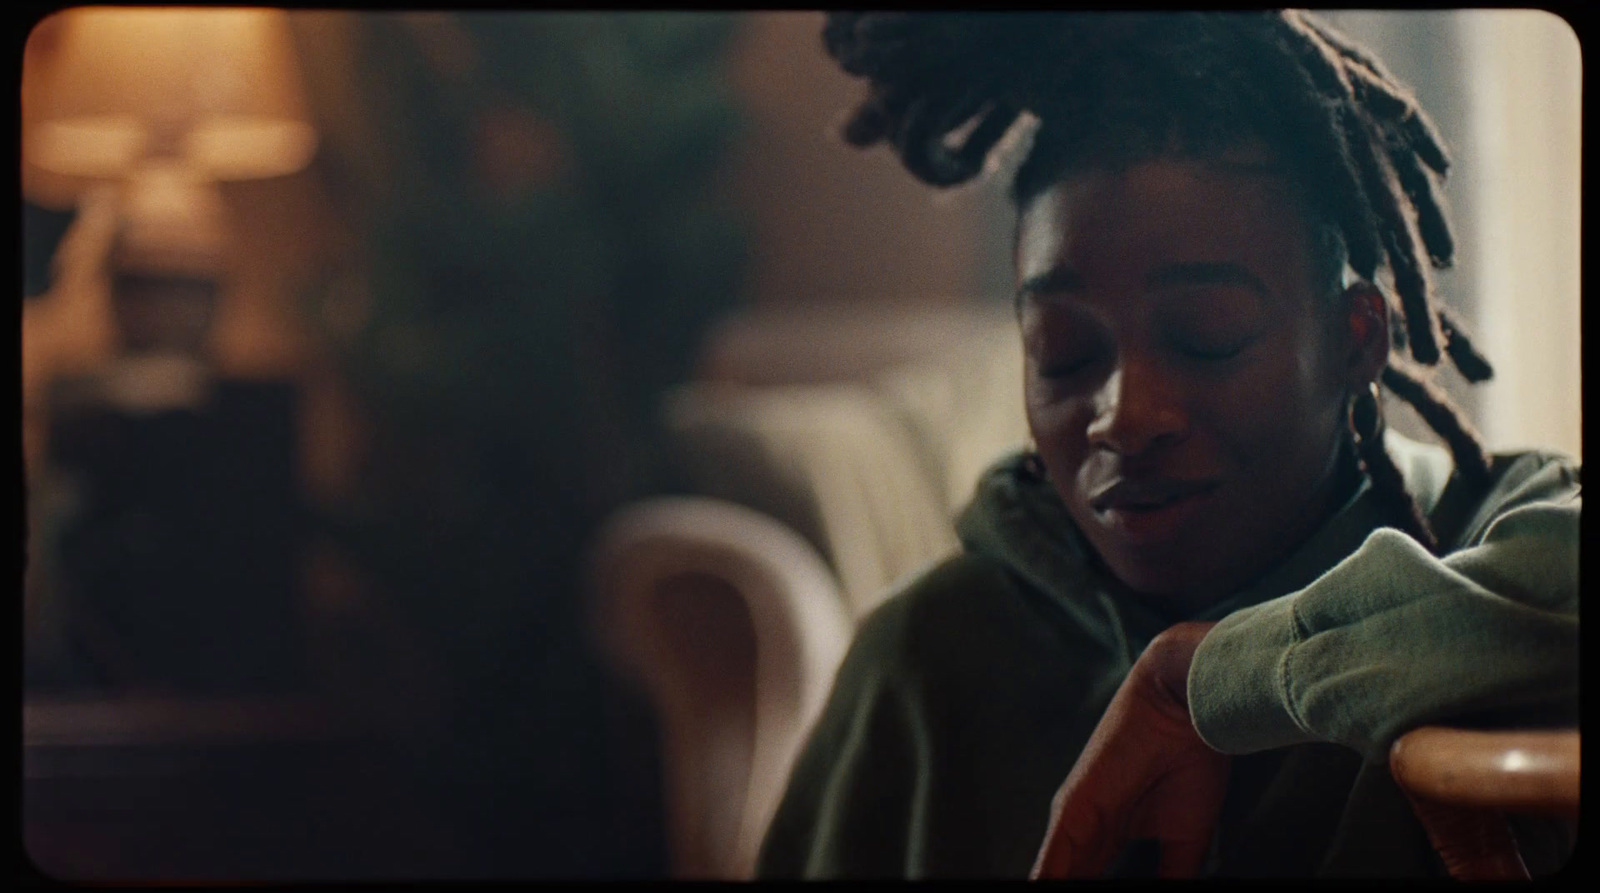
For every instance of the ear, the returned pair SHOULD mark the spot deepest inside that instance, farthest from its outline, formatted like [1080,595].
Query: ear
[1363,323]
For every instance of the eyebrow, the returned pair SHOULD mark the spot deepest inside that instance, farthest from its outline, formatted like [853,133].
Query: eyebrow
[1060,279]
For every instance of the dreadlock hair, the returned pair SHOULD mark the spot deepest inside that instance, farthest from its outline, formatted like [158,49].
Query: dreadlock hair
[1108,89]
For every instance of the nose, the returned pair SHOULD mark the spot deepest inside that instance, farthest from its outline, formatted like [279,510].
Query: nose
[1137,408]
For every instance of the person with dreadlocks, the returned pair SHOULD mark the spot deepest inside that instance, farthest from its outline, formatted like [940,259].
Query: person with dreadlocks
[1218,588]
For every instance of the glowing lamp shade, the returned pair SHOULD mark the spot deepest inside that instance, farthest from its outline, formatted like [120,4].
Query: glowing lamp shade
[215,89]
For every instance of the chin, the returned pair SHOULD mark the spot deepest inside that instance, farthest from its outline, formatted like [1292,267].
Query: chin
[1169,577]
[1152,576]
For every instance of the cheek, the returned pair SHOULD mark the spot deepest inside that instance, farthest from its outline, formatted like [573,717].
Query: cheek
[1057,424]
[1060,433]
[1043,416]
[1286,416]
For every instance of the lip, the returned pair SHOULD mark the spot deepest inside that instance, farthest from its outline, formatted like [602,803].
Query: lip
[1147,493]
[1151,511]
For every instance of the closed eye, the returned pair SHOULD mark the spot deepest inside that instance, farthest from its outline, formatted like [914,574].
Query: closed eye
[1214,353]
[1211,349]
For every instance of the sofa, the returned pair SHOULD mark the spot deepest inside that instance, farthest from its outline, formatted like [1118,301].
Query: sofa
[826,452]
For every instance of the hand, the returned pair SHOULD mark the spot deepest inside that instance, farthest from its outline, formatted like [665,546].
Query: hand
[1145,774]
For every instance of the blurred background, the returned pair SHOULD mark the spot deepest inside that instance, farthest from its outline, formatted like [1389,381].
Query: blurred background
[460,444]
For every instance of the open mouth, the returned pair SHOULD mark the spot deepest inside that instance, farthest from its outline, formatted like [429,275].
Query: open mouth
[1144,514]
[1147,496]
[1150,505]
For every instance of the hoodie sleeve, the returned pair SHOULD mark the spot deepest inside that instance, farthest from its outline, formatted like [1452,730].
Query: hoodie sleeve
[1393,637]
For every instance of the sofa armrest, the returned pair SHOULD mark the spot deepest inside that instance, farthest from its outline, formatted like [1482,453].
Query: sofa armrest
[734,626]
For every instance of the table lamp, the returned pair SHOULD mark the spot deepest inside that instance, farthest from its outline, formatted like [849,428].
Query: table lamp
[183,547]
[161,105]
[216,90]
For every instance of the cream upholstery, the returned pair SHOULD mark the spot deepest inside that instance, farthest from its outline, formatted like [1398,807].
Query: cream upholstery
[853,477]
[821,480]
[730,724]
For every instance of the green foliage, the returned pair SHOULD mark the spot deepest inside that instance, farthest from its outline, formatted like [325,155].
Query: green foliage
[498,311]
[514,347]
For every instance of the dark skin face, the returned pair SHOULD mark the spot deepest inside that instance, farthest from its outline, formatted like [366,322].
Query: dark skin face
[1187,380]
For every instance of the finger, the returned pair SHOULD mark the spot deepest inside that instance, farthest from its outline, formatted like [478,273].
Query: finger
[1055,853]
[1183,858]
[1055,856]
[1077,844]
[1186,844]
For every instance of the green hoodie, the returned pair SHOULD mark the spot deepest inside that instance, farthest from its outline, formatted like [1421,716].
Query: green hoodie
[967,695]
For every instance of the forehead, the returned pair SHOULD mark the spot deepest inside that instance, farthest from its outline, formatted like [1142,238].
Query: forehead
[1107,222]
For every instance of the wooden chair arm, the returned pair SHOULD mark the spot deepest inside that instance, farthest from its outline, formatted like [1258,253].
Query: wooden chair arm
[1462,783]
[1511,771]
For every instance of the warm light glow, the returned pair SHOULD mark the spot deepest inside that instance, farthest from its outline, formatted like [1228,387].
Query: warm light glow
[172,221]
[217,88]
[1516,761]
